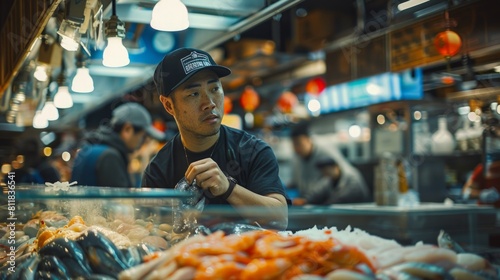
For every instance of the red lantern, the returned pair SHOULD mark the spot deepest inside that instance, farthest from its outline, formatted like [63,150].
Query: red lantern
[447,43]
[315,86]
[160,125]
[287,101]
[228,105]
[249,99]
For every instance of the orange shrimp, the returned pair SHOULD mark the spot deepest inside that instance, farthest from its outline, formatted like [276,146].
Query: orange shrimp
[76,220]
[45,237]
[349,257]
[265,269]
[277,246]
[218,267]
[192,254]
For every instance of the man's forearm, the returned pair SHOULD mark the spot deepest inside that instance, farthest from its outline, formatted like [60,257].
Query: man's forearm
[270,210]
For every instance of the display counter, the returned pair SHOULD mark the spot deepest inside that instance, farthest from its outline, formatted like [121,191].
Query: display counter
[471,225]
[109,233]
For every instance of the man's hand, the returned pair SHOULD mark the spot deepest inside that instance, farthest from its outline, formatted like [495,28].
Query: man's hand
[208,176]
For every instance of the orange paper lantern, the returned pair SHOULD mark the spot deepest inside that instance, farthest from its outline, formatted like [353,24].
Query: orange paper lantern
[447,43]
[160,125]
[315,86]
[287,101]
[228,105]
[249,99]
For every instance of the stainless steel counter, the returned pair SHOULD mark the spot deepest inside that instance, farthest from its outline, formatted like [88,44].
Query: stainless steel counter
[470,225]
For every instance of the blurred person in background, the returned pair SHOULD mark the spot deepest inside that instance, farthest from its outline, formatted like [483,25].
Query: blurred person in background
[321,174]
[335,187]
[36,168]
[484,186]
[103,159]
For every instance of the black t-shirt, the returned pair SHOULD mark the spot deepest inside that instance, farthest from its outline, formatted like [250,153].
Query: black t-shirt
[239,154]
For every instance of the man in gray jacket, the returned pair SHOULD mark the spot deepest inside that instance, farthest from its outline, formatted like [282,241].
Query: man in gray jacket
[103,158]
[321,174]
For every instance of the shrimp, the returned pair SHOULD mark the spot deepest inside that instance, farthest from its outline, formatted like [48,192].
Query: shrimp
[218,268]
[76,220]
[277,246]
[45,237]
[265,269]
[349,257]
[192,254]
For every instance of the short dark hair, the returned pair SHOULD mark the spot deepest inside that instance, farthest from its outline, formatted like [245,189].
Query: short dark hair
[300,129]
[117,127]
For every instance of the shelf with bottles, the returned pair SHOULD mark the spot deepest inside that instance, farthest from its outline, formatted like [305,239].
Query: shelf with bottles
[446,129]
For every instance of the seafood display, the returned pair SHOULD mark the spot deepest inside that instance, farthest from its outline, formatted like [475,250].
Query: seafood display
[103,239]
[308,254]
[90,256]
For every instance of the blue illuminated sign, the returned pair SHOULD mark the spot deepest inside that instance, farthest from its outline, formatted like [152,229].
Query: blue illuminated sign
[406,85]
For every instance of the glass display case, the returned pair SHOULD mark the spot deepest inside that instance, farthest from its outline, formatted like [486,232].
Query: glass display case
[112,233]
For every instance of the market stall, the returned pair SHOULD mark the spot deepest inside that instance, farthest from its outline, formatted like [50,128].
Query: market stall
[106,233]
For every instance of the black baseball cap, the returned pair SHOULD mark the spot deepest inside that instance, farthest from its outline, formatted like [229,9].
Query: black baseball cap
[181,64]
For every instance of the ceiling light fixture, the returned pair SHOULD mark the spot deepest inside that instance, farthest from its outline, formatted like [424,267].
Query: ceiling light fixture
[115,54]
[62,99]
[39,121]
[70,35]
[82,82]
[170,15]
[49,111]
[497,69]
[70,27]
[410,4]
[41,73]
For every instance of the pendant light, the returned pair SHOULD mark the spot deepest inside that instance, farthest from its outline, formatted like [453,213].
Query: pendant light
[39,121]
[62,99]
[82,82]
[115,54]
[49,110]
[170,15]
[41,73]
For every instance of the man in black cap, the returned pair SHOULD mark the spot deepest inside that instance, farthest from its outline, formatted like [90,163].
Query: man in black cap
[104,155]
[232,166]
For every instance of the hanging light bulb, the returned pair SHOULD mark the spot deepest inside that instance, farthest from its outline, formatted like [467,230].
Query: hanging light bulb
[39,121]
[69,44]
[82,82]
[49,111]
[170,15]
[115,54]
[63,99]
[41,73]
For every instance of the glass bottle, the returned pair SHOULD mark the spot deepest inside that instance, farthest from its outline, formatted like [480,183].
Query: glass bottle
[442,139]
[422,136]
[475,136]
[462,136]
[386,181]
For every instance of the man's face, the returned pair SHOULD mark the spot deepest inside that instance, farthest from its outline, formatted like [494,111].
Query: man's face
[133,140]
[302,145]
[198,104]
